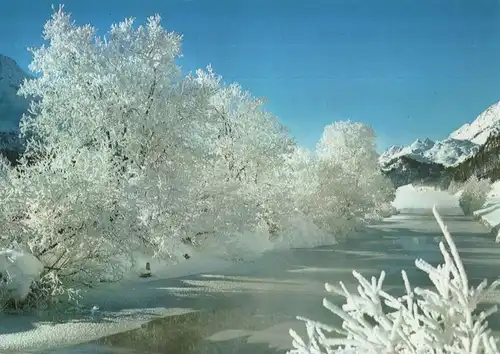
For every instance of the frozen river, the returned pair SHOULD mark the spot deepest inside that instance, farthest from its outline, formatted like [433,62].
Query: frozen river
[249,308]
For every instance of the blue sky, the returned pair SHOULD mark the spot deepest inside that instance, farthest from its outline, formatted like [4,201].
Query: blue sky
[410,69]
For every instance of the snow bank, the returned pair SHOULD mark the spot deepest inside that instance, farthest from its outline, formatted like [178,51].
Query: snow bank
[56,334]
[413,197]
[18,270]
[119,307]
[489,214]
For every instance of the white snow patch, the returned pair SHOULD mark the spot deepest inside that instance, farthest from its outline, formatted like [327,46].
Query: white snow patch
[276,336]
[18,270]
[411,197]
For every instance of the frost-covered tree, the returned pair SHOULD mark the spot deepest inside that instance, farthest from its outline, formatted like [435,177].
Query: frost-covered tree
[73,219]
[300,204]
[473,193]
[441,320]
[125,153]
[340,187]
[302,176]
[248,147]
[351,185]
[113,154]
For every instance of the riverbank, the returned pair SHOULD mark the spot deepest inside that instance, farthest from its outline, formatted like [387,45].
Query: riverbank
[249,307]
[212,300]
[104,311]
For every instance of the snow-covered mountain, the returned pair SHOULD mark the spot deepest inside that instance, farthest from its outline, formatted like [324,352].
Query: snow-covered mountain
[448,152]
[12,106]
[452,151]
[481,128]
[471,149]
[415,151]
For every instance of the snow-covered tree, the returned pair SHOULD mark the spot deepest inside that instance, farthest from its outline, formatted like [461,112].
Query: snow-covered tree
[351,185]
[473,193]
[73,219]
[299,202]
[113,157]
[447,319]
[340,187]
[125,153]
[248,146]
[301,174]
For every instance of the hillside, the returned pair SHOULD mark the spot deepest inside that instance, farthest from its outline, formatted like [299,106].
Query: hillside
[405,170]
[12,106]
[484,164]
[481,128]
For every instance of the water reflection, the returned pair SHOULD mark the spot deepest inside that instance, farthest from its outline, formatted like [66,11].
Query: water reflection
[187,334]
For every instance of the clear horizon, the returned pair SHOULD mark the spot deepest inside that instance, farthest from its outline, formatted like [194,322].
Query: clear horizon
[407,68]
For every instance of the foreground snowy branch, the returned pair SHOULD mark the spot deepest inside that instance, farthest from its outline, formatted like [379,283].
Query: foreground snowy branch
[445,319]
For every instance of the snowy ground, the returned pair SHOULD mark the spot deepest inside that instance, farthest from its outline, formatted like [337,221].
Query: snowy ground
[121,307]
[489,214]
[248,308]
[416,197]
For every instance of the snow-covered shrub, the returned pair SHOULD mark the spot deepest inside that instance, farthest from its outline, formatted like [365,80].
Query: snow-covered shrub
[302,232]
[351,185]
[18,271]
[446,319]
[473,194]
[339,188]
[384,210]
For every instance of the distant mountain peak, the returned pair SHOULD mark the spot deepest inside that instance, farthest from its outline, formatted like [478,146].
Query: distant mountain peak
[448,152]
[12,106]
[422,145]
[393,149]
[7,60]
[481,128]
[10,71]
[459,146]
